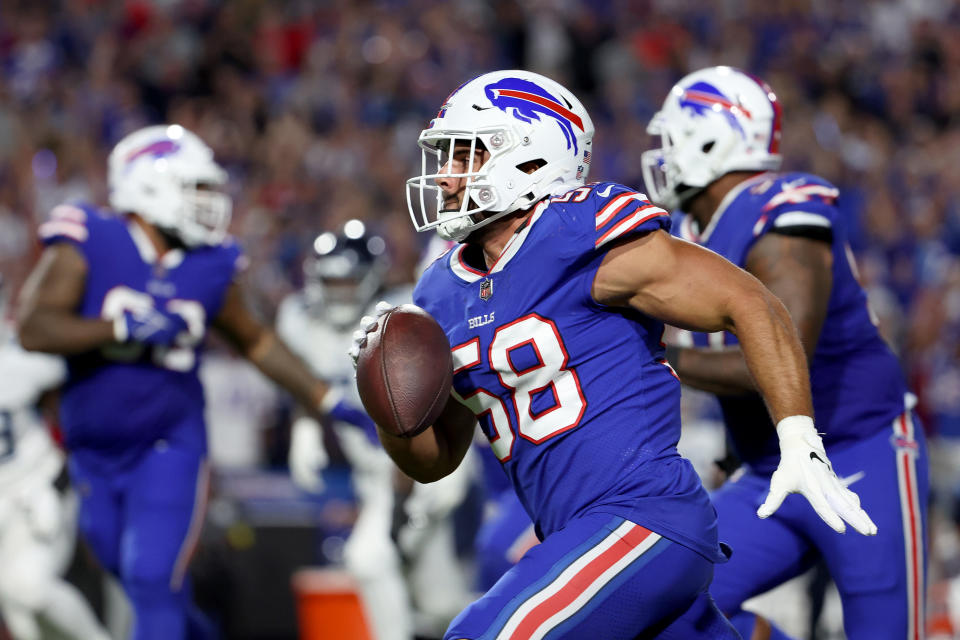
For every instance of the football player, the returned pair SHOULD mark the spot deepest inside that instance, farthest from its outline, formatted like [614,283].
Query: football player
[554,303]
[343,275]
[128,295]
[719,164]
[37,507]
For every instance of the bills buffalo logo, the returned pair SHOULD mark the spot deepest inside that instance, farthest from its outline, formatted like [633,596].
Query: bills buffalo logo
[527,101]
[157,149]
[486,290]
[702,97]
[902,443]
[446,104]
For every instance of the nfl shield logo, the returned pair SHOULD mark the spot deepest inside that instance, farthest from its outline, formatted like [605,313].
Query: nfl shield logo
[486,289]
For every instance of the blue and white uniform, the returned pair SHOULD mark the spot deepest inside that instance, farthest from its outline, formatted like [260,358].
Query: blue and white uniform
[133,415]
[583,412]
[870,436]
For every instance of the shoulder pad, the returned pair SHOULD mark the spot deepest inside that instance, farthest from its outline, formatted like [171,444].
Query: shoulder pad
[67,222]
[799,189]
[618,211]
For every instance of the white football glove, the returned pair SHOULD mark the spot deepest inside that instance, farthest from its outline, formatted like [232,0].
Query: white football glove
[805,469]
[367,324]
[307,457]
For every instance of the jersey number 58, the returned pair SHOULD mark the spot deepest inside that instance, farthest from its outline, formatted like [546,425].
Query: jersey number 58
[549,375]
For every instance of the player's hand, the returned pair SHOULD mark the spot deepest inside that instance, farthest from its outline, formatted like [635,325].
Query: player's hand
[336,406]
[149,326]
[805,469]
[367,324]
[345,411]
[307,457]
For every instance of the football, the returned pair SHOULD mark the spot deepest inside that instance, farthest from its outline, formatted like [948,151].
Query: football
[405,371]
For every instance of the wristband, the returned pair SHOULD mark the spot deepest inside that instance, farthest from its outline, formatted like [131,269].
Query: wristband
[799,425]
[120,332]
[330,399]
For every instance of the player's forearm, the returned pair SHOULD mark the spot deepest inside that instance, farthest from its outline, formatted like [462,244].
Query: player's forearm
[438,451]
[277,362]
[723,372]
[63,332]
[773,354]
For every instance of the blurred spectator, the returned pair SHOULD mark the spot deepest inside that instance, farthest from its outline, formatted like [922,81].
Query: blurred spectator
[314,107]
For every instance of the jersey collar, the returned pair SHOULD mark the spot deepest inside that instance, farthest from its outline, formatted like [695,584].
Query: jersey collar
[465,272]
[148,254]
[733,194]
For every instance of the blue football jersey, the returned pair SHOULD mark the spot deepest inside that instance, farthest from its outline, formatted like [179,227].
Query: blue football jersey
[857,384]
[574,396]
[125,396]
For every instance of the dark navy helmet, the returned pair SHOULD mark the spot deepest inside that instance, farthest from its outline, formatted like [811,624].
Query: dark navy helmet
[343,273]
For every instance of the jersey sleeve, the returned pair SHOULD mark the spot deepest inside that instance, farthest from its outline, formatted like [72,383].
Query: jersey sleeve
[234,255]
[67,223]
[621,213]
[803,206]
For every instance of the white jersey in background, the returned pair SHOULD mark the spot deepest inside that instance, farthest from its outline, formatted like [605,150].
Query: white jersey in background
[436,588]
[37,519]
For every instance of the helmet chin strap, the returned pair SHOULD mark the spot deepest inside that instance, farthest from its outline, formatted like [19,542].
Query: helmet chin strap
[456,229]
[687,194]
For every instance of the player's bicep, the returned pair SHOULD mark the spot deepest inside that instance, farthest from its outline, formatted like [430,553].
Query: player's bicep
[799,271]
[56,283]
[676,281]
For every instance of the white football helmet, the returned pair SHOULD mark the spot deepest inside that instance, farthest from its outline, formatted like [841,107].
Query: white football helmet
[168,175]
[519,117]
[714,121]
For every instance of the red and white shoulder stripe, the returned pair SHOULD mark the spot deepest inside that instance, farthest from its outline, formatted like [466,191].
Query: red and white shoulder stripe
[65,221]
[625,212]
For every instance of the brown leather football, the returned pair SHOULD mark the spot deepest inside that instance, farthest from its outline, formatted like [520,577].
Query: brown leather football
[405,371]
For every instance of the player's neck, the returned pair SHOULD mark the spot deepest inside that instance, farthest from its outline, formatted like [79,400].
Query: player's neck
[495,236]
[704,205]
[160,242]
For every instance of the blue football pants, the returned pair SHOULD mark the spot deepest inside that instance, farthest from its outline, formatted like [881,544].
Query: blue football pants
[599,577]
[143,524]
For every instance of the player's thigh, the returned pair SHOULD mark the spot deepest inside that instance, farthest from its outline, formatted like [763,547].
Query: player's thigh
[100,517]
[881,578]
[599,577]
[166,499]
[765,552]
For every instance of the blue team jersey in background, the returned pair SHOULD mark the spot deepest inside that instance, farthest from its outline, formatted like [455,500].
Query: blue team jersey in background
[122,398]
[858,388]
[575,397]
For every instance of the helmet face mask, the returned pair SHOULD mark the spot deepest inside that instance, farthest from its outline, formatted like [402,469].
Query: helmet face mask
[713,122]
[168,176]
[538,136]
[343,274]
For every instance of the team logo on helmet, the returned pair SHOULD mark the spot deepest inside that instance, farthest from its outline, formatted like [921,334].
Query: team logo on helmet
[527,100]
[156,149]
[702,97]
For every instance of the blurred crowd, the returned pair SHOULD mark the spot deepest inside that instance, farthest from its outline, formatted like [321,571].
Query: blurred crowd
[315,107]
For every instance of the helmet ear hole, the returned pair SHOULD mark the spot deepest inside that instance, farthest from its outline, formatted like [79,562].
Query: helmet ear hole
[531,165]
[708,146]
